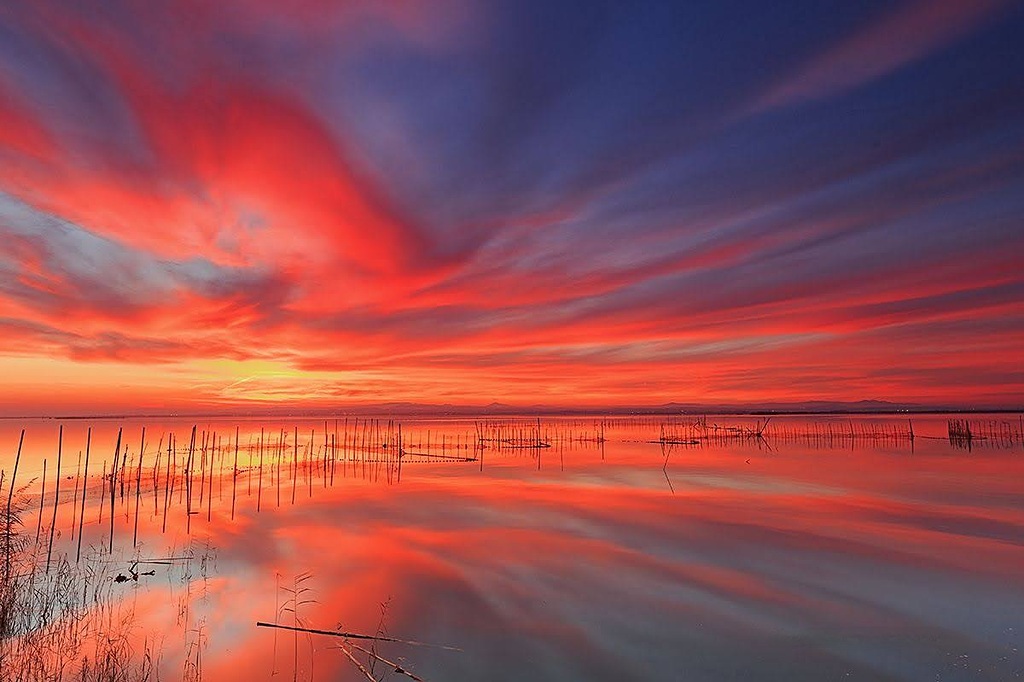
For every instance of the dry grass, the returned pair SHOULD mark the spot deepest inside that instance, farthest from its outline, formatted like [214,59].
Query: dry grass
[64,623]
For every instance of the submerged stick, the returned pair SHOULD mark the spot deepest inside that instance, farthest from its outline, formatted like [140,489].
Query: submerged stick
[354,635]
[397,668]
[357,664]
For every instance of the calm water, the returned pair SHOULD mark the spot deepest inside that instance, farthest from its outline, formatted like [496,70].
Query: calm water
[806,555]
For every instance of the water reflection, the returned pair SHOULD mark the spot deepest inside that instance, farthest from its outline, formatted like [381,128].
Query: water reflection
[602,556]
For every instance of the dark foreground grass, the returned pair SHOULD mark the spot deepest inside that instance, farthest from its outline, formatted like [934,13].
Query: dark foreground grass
[61,620]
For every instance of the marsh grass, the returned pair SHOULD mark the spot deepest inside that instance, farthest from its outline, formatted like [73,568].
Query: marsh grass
[68,620]
[61,624]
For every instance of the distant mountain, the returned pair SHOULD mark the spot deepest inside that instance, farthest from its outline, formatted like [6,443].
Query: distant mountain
[504,409]
[807,406]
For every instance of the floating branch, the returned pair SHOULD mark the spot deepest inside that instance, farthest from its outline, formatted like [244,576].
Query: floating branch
[397,667]
[353,635]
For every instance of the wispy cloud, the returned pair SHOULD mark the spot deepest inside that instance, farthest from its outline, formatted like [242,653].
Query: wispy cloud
[906,34]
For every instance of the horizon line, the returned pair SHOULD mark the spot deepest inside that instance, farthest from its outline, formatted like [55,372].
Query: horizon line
[808,407]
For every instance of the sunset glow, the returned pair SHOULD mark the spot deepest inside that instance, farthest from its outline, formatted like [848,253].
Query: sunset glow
[230,205]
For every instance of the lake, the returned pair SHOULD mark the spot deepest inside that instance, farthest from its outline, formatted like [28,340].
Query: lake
[824,547]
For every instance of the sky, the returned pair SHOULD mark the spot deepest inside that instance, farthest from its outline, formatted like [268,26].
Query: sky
[243,204]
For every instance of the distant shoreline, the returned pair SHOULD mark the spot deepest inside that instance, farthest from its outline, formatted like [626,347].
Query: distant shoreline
[426,413]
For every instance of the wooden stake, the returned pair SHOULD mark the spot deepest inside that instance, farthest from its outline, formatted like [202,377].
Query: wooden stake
[74,502]
[10,499]
[295,463]
[113,475]
[234,476]
[259,489]
[85,485]
[138,482]
[56,497]
[42,496]
[189,466]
